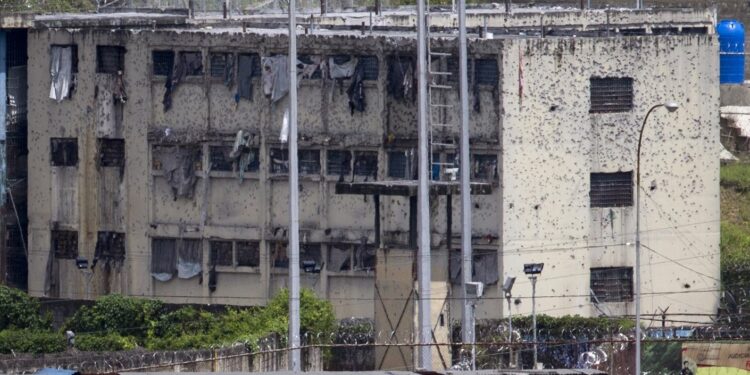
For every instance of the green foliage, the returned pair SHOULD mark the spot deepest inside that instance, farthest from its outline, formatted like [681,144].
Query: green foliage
[47,6]
[110,342]
[736,175]
[115,313]
[662,358]
[316,315]
[31,341]
[568,322]
[19,311]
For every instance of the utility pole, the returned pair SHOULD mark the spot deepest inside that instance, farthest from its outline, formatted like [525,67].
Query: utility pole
[423,199]
[467,321]
[294,319]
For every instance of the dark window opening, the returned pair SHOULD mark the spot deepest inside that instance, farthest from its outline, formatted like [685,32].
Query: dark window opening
[162,61]
[279,161]
[219,63]
[309,162]
[110,59]
[17,47]
[486,72]
[248,254]
[65,244]
[279,257]
[366,164]
[64,152]
[111,152]
[612,284]
[400,77]
[219,158]
[364,258]
[193,63]
[339,258]
[310,258]
[171,154]
[110,247]
[484,167]
[611,189]
[399,164]
[338,162]
[483,264]
[609,95]
[254,59]
[221,253]
[164,256]
[453,68]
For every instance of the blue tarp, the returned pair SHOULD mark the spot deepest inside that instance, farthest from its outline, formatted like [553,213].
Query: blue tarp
[54,371]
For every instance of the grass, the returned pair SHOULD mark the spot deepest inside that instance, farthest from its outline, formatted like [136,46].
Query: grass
[736,176]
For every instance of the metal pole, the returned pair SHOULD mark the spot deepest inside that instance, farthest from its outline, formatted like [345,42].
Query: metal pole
[294,318]
[423,205]
[510,335]
[638,245]
[467,318]
[533,313]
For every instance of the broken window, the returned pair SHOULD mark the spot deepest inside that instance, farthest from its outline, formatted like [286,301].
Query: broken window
[110,59]
[63,69]
[486,72]
[110,247]
[484,167]
[279,161]
[248,254]
[612,284]
[338,162]
[278,252]
[163,258]
[65,244]
[193,63]
[64,152]
[366,164]
[400,164]
[219,63]
[162,61]
[610,95]
[111,152]
[611,189]
[309,258]
[309,162]
[484,266]
[364,258]
[340,257]
[221,253]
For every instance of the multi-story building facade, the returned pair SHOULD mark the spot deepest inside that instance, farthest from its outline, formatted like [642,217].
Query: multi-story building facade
[135,148]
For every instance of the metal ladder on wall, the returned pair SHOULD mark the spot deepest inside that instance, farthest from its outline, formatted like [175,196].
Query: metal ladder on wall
[443,133]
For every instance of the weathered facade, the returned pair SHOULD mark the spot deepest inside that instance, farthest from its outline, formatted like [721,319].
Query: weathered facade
[152,200]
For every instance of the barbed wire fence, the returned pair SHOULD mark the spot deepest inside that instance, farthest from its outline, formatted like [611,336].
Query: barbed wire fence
[355,348]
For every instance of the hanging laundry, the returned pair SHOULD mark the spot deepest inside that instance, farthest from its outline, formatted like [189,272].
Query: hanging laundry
[356,91]
[284,127]
[401,78]
[229,70]
[163,259]
[241,153]
[189,258]
[245,68]
[61,72]
[275,77]
[178,163]
[345,70]
[187,64]
[306,70]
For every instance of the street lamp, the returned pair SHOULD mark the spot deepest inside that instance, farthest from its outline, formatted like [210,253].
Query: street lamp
[671,107]
[507,286]
[532,270]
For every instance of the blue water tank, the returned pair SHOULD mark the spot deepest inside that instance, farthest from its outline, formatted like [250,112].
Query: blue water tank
[732,50]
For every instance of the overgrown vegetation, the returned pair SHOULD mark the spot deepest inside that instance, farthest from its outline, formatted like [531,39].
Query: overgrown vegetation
[735,241]
[46,6]
[116,322]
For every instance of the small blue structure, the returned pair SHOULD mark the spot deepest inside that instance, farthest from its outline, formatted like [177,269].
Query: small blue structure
[55,371]
[731,51]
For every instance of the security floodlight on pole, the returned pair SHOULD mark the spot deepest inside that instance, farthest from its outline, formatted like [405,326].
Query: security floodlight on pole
[532,270]
[294,318]
[507,287]
[671,107]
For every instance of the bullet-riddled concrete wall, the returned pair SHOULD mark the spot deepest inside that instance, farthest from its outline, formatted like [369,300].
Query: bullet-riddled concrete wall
[138,202]
[552,143]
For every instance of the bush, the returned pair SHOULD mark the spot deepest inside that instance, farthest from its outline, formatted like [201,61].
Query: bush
[105,343]
[30,341]
[316,315]
[126,316]
[19,311]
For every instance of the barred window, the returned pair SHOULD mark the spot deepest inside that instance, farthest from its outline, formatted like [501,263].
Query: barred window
[486,72]
[221,161]
[64,152]
[279,161]
[309,162]
[484,167]
[110,59]
[162,62]
[193,62]
[111,152]
[221,253]
[248,254]
[65,244]
[610,95]
[366,163]
[278,253]
[399,164]
[338,162]
[371,67]
[612,284]
[611,189]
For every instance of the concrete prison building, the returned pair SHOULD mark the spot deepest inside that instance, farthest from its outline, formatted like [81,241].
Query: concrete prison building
[158,164]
